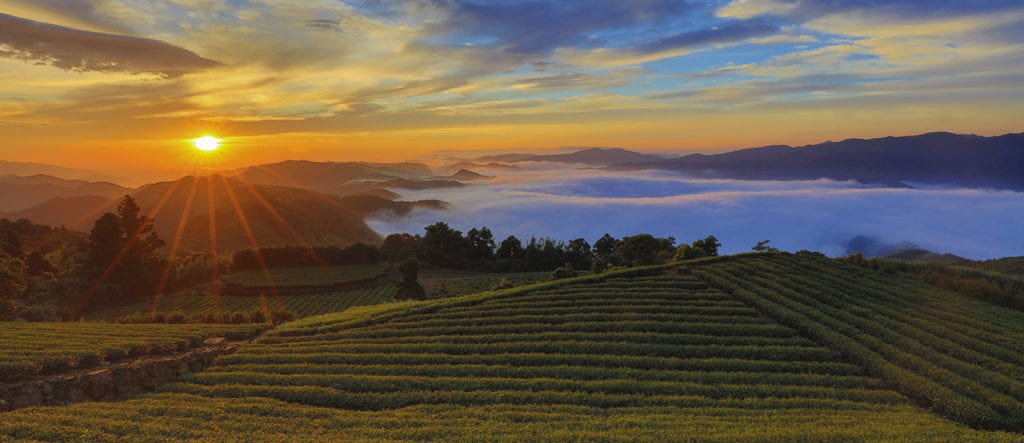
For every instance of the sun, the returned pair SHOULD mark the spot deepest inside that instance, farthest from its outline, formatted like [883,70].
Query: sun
[207,143]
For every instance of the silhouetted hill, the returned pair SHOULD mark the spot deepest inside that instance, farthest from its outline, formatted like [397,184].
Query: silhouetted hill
[36,237]
[314,217]
[24,169]
[937,158]
[467,175]
[332,177]
[475,166]
[1005,265]
[18,193]
[77,213]
[916,254]
[591,156]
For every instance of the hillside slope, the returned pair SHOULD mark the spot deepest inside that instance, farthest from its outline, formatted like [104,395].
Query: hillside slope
[640,354]
[312,217]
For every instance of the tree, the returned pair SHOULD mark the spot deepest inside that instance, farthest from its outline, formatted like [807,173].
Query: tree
[481,247]
[578,254]
[709,244]
[105,240]
[762,246]
[11,244]
[564,271]
[13,276]
[605,246]
[399,247]
[511,248]
[38,265]
[688,252]
[127,242]
[409,287]
[706,247]
[644,249]
[443,246]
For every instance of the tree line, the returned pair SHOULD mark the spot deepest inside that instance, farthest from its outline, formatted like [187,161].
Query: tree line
[46,273]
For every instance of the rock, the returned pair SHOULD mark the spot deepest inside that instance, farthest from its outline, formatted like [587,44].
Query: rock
[24,395]
[214,341]
[4,406]
[123,383]
[99,385]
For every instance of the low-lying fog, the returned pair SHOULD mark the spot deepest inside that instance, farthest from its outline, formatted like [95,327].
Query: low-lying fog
[819,215]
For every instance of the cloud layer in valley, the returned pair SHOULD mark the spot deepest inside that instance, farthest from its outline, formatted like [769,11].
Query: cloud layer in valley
[818,215]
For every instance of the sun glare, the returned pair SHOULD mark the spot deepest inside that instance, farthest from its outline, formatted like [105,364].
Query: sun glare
[207,143]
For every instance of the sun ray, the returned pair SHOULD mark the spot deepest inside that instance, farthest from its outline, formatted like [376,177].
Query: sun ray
[214,264]
[284,223]
[247,230]
[330,199]
[175,244]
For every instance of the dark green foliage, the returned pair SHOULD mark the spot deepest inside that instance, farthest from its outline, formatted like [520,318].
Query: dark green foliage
[707,247]
[565,271]
[644,249]
[11,244]
[481,247]
[409,287]
[123,249]
[605,246]
[443,246]
[257,316]
[511,249]
[399,247]
[762,246]
[37,265]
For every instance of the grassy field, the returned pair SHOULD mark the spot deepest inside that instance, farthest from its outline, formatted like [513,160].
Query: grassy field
[202,303]
[305,275]
[758,347]
[40,348]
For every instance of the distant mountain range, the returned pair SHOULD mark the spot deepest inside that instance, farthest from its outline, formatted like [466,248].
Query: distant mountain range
[591,156]
[938,158]
[18,192]
[24,169]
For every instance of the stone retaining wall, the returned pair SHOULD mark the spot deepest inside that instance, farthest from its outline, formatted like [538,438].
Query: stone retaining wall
[115,382]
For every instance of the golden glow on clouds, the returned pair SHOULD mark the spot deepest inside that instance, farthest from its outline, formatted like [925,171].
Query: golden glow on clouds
[362,86]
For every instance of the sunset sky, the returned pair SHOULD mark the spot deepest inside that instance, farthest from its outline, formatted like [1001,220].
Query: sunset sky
[108,84]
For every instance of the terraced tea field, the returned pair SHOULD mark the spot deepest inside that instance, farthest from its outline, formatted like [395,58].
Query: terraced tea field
[305,275]
[28,349]
[445,283]
[641,354]
[299,306]
[960,357]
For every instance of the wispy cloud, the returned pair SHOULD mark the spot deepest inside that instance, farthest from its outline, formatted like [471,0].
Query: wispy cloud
[76,50]
[399,75]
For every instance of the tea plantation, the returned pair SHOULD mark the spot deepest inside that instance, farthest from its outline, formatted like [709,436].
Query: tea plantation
[754,347]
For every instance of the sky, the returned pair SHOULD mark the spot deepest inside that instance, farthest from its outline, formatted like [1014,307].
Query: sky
[120,84]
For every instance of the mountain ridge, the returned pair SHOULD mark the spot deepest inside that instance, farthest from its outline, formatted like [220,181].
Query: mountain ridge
[941,158]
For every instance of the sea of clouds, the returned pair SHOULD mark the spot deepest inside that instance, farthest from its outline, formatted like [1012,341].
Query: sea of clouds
[821,215]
